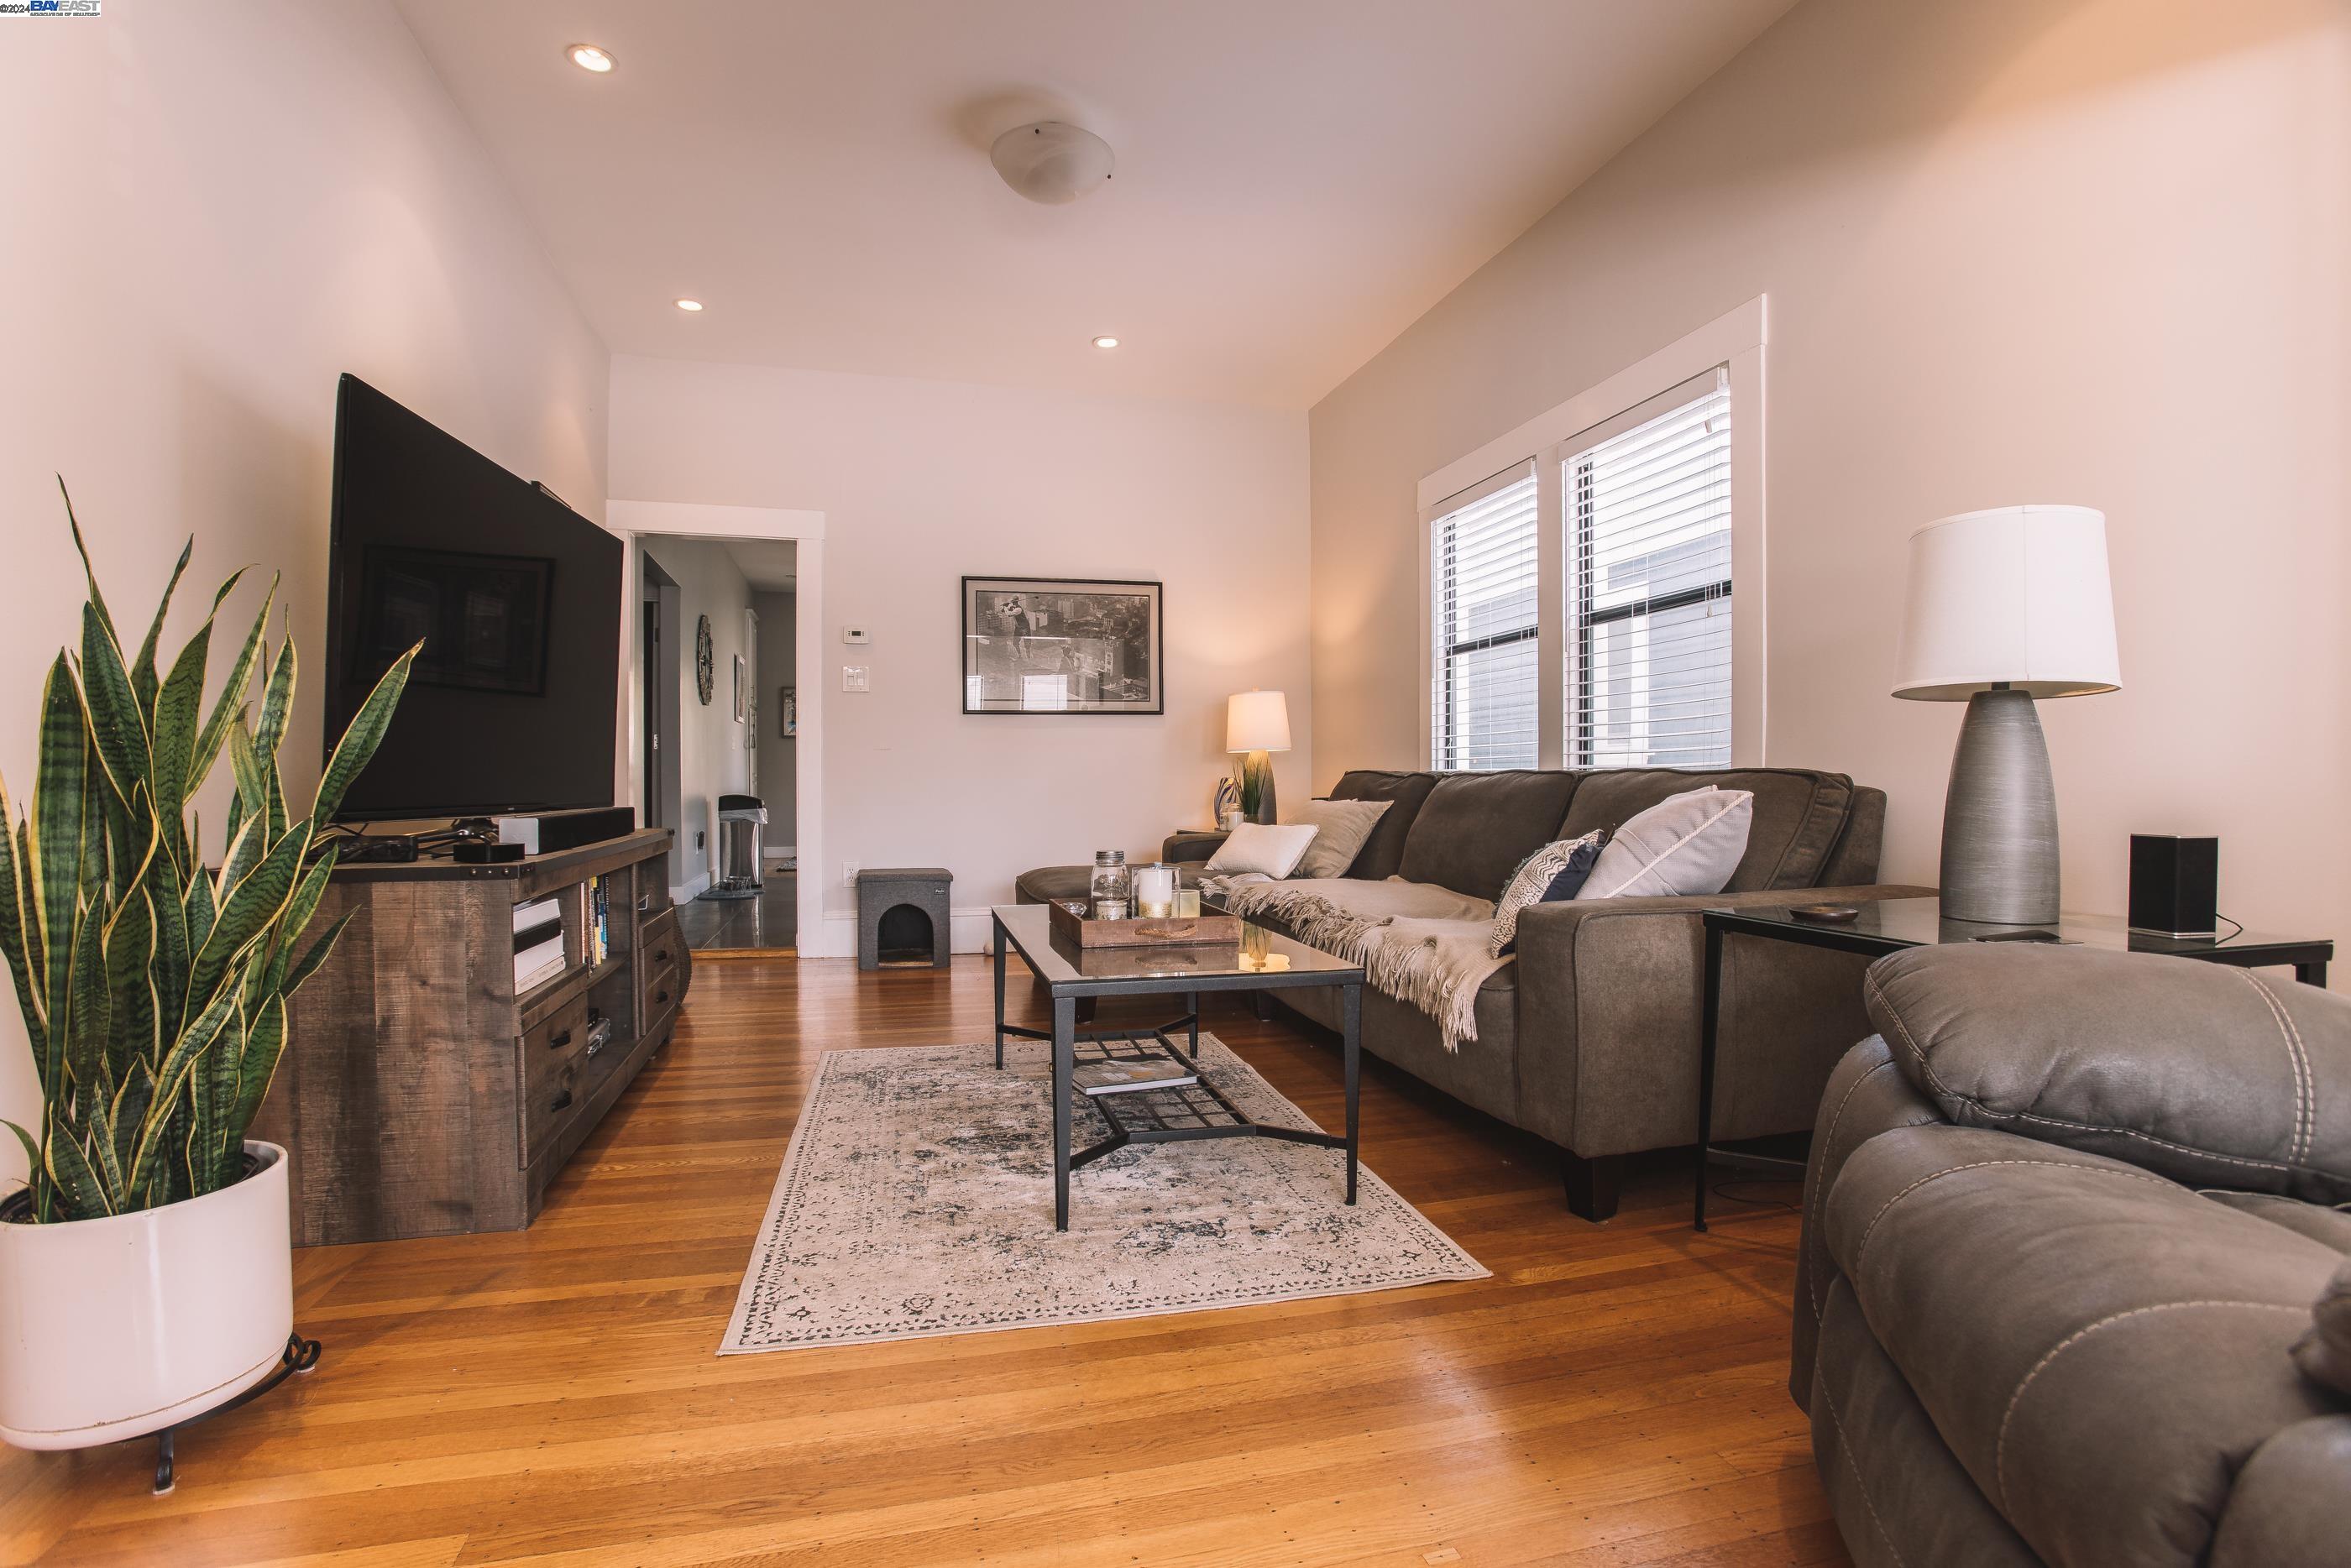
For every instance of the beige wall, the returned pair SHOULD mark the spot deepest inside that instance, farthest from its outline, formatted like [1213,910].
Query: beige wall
[206,214]
[2095,253]
[921,481]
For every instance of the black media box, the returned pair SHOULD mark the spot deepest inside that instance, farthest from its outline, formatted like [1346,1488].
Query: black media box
[544,832]
[2175,884]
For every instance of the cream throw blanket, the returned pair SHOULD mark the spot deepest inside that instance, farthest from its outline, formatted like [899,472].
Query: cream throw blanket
[1419,944]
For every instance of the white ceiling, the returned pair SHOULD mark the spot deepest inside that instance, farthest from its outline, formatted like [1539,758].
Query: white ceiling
[1297,179]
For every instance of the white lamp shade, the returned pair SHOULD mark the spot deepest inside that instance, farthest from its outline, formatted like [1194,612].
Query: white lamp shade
[1257,721]
[2016,595]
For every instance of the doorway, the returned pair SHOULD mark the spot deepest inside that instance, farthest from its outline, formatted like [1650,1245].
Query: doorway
[660,609]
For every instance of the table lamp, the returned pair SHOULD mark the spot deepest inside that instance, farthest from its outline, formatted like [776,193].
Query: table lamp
[1257,723]
[2006,607]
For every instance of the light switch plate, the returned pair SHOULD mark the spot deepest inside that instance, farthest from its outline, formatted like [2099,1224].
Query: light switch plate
[855,678]
[855,634]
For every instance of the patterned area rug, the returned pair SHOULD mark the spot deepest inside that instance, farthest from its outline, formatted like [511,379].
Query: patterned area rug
[917,1199]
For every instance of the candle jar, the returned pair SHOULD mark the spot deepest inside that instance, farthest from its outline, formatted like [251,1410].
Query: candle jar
[1155,891]
[1187,903]
[1112,885]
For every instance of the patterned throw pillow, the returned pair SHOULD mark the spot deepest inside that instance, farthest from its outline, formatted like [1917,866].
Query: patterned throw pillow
[1551,875]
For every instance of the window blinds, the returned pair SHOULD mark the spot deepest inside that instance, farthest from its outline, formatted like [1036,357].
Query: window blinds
[1483,622]
[1648,532]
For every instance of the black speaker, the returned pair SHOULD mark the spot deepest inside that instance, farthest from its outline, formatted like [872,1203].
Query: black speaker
[2175,884]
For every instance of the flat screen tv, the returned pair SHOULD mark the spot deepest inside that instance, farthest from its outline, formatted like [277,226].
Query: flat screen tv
[513,703]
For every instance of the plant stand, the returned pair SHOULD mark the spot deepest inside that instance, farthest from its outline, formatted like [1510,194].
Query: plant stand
[301,1357]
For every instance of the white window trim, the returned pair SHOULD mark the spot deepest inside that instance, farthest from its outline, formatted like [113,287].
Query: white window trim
[1734,341]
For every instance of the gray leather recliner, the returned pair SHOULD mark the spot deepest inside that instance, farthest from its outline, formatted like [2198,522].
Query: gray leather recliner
[2075,1282]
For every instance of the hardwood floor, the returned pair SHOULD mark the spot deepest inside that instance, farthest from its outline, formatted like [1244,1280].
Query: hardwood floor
[768,923]
[1613,1396]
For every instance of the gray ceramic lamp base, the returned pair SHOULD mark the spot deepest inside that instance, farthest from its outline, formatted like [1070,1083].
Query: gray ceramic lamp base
[2000,818]
[1257,786]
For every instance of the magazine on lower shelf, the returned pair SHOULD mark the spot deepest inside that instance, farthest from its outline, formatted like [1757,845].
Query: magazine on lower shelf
[1121,1075]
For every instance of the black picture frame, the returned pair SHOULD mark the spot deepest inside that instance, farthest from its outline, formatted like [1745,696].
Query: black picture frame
[1064,646]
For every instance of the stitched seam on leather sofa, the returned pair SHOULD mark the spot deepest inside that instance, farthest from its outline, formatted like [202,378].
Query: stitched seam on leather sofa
[1999,1448]
[2296,1058]
[1845,1447]
[1861,1251]
[1820,1191]
[1927,1067]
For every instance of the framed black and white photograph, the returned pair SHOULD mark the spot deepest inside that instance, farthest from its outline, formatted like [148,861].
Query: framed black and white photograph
[1062,645]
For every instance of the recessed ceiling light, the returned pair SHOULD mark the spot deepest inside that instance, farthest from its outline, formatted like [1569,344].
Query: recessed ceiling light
[589,57]
[689,305]
[1105,342]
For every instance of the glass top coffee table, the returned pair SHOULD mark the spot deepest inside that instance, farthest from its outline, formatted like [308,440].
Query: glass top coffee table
[1261,961]
[1889,925]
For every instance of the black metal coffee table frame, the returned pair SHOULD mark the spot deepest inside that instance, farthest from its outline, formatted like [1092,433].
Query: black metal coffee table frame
[1144,1116]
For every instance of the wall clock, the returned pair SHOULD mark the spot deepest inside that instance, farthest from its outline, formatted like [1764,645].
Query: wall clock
[704,661]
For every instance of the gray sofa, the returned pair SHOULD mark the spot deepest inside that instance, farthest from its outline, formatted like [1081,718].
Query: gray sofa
[2066,1217]
[1590,1039]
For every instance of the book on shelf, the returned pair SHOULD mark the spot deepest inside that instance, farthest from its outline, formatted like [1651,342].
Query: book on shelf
[540,961]
[1121,1075]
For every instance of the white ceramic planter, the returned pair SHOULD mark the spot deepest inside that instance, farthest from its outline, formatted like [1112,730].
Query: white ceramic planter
[113,1328]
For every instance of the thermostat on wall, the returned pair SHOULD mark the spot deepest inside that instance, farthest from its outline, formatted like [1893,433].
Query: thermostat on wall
[855,634]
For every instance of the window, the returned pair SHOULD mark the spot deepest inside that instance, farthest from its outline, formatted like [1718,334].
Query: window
[1484,615]
[1647,548]
[1581,569]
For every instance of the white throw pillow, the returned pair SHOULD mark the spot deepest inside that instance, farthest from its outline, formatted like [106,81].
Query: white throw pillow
[1263,848]
[1682,846]
[1343,826]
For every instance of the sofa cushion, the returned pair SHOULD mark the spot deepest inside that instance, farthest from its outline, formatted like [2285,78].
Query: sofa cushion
[1474,828]
[1341,828]
[2208,1074]
[2101,1348]
[1551,875]
[1799,816]
[1686,845]
[1383,852]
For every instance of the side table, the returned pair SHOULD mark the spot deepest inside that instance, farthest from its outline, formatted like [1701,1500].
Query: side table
[1892,924]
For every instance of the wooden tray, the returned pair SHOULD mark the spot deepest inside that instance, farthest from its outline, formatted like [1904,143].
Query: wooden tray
[1176,931]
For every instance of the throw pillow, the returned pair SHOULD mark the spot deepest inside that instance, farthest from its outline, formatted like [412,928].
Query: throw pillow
[1342,827]
[1551,875]
[1684,845]
[1262,847]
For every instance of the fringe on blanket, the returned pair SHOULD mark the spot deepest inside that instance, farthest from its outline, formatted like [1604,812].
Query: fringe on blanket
[1437,966]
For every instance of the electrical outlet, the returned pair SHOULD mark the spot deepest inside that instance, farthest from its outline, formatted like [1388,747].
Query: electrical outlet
[856,677]
[849,872]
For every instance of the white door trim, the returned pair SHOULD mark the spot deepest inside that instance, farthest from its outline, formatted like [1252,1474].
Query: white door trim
[635,520]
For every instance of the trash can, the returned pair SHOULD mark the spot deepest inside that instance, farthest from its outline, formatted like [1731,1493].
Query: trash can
[742,833]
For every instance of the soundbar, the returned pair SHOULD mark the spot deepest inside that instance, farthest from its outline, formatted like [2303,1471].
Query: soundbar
[548,831]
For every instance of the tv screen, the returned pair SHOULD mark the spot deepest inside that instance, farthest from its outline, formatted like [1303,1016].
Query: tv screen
[514,702]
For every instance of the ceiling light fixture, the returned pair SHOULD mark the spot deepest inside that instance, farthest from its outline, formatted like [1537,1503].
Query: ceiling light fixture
[589,57]
[691,306]
[1105,342]
[1051,161]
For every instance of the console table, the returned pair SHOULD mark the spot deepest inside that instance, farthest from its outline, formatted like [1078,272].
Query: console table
[1889,925]
[419,1095]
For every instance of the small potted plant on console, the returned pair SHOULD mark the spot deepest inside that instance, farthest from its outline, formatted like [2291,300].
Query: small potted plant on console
[146,1273]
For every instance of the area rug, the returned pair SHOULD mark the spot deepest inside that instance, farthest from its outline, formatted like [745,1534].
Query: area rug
[916,1199]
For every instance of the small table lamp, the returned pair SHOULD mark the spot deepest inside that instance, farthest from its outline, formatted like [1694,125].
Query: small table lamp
[1257,723]
[2005,607]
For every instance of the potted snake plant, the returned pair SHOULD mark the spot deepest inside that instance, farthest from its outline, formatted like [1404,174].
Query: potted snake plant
[146,1267]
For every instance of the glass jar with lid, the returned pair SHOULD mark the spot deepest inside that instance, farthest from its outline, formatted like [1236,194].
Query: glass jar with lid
[1112,885]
